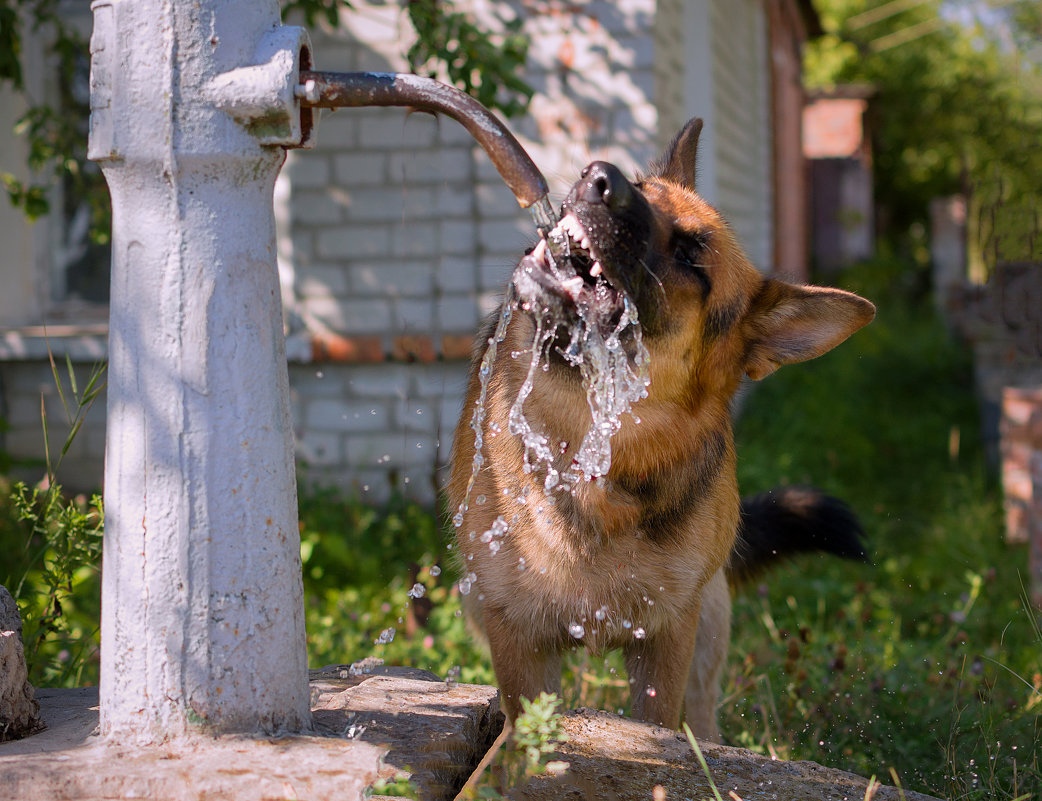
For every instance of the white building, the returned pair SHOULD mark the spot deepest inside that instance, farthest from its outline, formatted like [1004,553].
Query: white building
[397,235]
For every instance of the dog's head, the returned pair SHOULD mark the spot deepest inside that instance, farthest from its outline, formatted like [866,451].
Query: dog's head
[701,303]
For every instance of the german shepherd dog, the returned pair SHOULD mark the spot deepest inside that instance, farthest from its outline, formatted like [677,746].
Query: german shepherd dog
[641,558]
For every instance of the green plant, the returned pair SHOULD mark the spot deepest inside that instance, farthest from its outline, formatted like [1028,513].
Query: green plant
[400,786]
[957,101]
[702,762]
[54,575]
[537,731]
[472,60]
[521,752]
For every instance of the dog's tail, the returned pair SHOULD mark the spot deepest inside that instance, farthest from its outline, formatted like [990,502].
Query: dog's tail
[787,521]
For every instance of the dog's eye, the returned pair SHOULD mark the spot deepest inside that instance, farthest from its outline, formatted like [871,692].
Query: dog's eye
[688,256]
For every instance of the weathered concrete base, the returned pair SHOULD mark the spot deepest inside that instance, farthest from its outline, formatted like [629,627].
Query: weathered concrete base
[396,719]
[367,727]
[612,758]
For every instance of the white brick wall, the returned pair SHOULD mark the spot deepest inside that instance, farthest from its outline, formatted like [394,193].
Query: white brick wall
[400,226]
[365,428]
[741,99]
[396,234]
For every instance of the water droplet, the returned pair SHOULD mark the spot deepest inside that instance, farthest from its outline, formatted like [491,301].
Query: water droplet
[576,630]
[601,613]
[626,624]
[386,636]
[435,571]
[480,500]
[319,374]
[651,692]
[417,590]
[639,633]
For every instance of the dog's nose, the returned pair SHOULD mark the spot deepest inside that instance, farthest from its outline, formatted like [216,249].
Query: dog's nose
[604,183]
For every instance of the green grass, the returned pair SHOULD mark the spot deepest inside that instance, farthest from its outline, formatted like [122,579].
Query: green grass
[926,664]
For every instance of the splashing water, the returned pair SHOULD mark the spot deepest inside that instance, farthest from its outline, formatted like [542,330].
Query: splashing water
[613,384]
[478,417]
[613,364]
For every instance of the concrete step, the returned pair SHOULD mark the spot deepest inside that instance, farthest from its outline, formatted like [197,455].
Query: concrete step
[397,721]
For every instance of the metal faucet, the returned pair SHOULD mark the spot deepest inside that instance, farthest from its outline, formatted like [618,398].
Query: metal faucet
[515,166]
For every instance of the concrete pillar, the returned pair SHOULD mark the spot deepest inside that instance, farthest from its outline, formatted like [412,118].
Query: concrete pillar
[202,600]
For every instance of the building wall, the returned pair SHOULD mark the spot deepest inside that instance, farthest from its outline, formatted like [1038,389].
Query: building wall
[26,388]
[19,302]
[841,191]
[396,234]
[741,121]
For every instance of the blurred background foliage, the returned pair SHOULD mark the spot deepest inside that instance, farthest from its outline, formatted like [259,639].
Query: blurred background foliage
[957,108]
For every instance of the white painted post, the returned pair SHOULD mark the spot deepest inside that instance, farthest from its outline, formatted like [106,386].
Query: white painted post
[202,601]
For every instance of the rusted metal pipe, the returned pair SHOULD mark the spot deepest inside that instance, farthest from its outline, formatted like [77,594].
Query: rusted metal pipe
[355,89]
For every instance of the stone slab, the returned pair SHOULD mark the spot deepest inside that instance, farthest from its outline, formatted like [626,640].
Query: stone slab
[388,720]
[367,727]
[612,758]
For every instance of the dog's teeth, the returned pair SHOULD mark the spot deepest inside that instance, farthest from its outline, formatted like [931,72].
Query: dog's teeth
[585,244]
[595,270]
[571,226]
[540,250]
[572,285]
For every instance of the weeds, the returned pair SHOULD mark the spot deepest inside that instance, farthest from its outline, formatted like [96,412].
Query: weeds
[56,551]
[520,753]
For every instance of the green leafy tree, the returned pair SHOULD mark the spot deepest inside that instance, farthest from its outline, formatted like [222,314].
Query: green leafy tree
[957,109]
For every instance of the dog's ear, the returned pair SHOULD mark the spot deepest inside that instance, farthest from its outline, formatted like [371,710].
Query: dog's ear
[788,323]
[678,162]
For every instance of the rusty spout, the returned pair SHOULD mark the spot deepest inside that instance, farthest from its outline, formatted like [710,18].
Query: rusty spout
[353,89]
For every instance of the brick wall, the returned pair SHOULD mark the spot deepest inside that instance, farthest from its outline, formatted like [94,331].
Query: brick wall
[741,96]
[398,236]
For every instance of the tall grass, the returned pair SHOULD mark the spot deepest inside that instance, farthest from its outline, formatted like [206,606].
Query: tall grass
[929,661]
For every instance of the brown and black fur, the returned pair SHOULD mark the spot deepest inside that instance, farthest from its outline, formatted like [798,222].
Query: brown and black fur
[650,543]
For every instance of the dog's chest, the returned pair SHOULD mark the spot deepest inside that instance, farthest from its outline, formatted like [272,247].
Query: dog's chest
[614,593]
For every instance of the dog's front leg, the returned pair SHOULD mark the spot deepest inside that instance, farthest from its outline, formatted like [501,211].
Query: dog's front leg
[658,669]
[524,666]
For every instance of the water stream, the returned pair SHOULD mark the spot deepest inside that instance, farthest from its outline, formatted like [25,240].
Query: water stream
[611,358]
